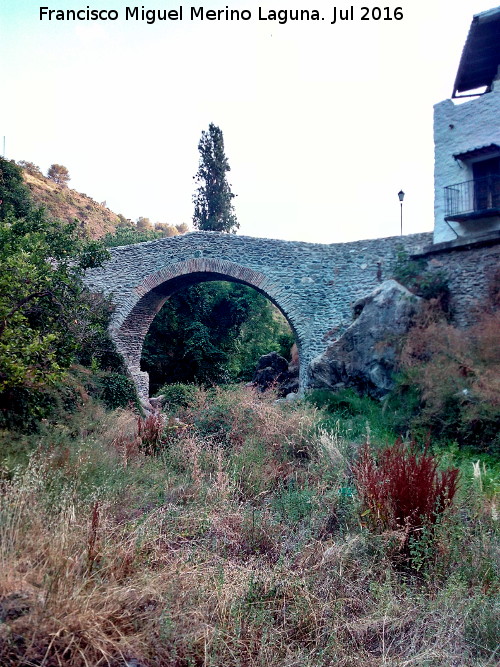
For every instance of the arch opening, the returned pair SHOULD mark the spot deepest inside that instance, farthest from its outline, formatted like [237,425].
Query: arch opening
[130,331]
[214,332]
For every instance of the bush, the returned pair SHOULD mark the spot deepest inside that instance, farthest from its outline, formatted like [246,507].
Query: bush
[178,395]
[14,193]
[95,348]
[457,375]
[344,403]
[115,390]
[31,168]
[22,408]
[235,414]
[43,317]
[414,275]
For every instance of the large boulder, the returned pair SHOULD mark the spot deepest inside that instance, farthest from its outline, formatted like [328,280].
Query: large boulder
[365,356]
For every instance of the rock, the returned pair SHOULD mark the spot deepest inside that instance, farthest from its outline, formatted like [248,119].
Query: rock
[365,356]
[146,406]
[13,606]
[293,366]
[289,386]
[157,402]
[273,370]
[270,371]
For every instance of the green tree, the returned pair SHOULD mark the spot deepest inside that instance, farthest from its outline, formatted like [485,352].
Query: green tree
[213,200]
[212,333]
[40,284]
[15,198]
[59,174]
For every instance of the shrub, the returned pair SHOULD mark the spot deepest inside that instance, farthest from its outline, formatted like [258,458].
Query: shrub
[90,329]
[115,390]
[415,276]
[178,395]
[43,317]
[233,415]
[402,489]
[22,408]
[31,168]
[457,374]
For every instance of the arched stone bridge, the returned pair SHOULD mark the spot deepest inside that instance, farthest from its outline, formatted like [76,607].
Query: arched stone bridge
[313,285]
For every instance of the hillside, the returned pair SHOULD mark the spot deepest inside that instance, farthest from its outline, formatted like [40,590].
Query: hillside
[66,204]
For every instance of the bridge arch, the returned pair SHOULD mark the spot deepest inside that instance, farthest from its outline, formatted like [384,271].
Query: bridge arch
[130,326]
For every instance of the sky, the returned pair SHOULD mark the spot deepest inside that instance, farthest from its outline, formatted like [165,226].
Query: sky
[323,123]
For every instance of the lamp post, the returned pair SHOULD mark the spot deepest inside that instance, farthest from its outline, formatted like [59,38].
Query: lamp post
[401,196]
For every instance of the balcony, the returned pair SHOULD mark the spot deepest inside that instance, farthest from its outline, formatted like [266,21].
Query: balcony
[473,200]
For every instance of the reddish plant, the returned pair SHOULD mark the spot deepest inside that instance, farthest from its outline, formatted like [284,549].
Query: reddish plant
[150,431]
[403,488]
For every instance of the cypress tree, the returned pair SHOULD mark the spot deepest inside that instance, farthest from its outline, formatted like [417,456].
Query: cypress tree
[213,206]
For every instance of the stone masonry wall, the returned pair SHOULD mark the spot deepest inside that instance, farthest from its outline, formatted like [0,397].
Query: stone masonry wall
[314,285]
[470,271]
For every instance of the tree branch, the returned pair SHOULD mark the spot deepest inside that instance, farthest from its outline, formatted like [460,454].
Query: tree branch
[20,304]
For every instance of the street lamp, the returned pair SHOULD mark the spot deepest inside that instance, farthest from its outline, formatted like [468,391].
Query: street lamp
[401,196]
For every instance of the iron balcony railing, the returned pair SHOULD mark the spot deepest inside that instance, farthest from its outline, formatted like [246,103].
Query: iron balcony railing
[473,199]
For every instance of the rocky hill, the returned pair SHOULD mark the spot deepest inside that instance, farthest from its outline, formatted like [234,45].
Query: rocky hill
[66,204]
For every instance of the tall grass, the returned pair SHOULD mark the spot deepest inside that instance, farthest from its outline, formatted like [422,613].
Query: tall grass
[238,540]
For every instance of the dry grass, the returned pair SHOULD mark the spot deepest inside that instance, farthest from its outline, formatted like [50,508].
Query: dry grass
[215,554]
[64,203]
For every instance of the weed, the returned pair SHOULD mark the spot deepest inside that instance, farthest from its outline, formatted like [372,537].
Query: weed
[428,284]
[293,503]
[92,538]
[402,490]
[150,431]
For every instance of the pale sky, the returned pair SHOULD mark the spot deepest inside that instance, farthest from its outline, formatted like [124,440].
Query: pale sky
[323,124]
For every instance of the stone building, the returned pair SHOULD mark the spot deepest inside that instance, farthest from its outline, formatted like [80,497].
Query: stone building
[467,141]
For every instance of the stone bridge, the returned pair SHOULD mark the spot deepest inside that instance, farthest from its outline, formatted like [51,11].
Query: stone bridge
[314,285]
